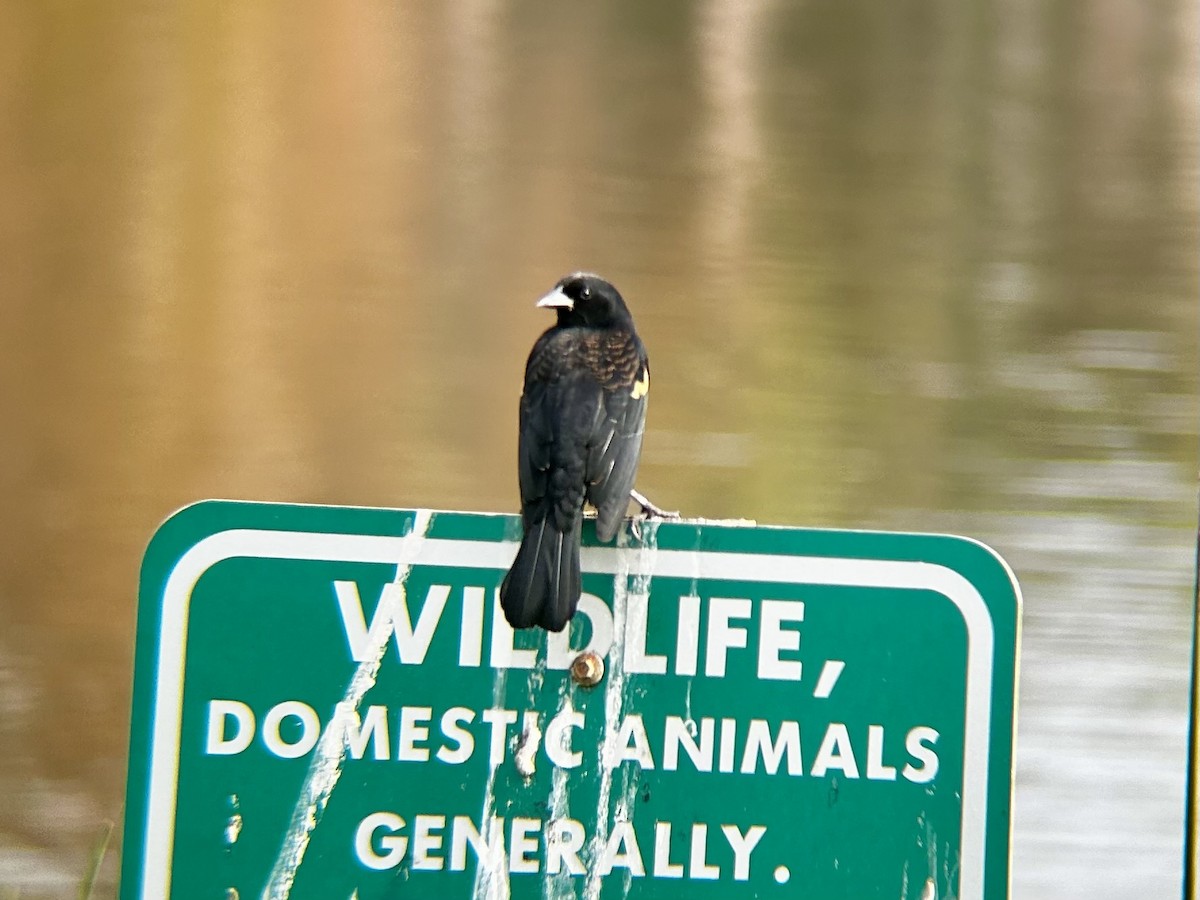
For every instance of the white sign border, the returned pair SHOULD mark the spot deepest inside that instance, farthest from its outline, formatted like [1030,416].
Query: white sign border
[354,548]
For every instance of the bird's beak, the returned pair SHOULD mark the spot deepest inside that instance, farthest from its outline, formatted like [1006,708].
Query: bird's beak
[556,299]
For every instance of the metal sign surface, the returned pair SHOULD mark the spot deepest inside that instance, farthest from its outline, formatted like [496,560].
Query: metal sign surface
[329,704]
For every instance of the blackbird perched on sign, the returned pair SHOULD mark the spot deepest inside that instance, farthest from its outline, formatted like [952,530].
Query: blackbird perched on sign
[583,410]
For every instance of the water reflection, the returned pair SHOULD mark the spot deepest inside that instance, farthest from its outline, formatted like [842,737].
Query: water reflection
[918,265]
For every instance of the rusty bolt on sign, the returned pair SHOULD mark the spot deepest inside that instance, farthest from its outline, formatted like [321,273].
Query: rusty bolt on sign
[587,669]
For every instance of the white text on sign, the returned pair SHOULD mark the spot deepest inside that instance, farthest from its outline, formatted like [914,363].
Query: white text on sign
[437,842]
[291,729]
[728,629]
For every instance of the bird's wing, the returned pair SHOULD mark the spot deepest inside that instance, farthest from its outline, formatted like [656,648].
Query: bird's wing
[558,411]
[533,451]
[615,442]
[613,454]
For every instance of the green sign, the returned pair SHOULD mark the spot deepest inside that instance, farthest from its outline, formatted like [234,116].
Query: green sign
[328,703]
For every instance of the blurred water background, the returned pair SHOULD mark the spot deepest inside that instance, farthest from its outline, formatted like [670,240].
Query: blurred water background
[923,264]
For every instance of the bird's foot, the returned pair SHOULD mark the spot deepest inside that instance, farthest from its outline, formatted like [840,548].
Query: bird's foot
[649,511]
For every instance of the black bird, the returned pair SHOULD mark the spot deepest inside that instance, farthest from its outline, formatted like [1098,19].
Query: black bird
[583,411]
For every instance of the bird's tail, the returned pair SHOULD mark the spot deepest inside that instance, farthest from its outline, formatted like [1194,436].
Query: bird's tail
[543,585]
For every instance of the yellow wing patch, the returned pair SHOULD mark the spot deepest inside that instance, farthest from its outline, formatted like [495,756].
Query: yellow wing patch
[641,387]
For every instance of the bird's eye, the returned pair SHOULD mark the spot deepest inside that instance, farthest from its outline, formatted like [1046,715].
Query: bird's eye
[585,292]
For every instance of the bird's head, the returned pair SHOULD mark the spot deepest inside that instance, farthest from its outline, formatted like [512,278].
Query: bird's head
[586,299]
